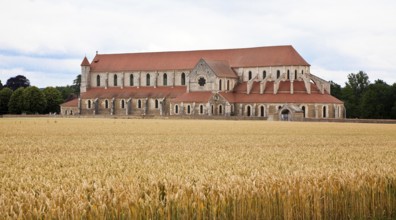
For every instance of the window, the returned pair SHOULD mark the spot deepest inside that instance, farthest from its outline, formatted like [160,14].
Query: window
[302,71]
[219,84]
[183,79]
[106,103]
[303,109]
[139,103]
[295,74]
[228,85]
[123,103]
[264,74]
[324,112]
[212,109]
[201,109]
[278,74]
[262,111]
[250,75]
[148,79]
[156,103]
[176,109]
[115,80]
[201,81]
[188,109]
[131,80]
[288,74]
[89,104]
[98,80]
[220,109]
[248,111]
[165,79]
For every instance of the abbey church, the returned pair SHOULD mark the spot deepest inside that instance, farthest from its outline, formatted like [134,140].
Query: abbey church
[273,83]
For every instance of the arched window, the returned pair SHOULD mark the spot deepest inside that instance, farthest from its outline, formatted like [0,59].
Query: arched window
[262,111]
[288,74]
[139,103]
[248,111]
[148,79]
[264,74]
[277,74]
[201,109]
[220,109]
[98,80]
[106,103]
[165,79]
[228,85]
[115,80]
[324,112]
[303,109]
[212,109]
[250,75]
[131,80]
[183,79]
[123,103]
[156,103]
[219,84]
[295,74]
[71,112]
[188,109]
[89,104]
[302,71]
[176,109]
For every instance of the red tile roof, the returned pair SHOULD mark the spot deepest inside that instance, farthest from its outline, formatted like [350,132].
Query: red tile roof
[194,97]
[71,103]
[284,87]
[134,92]
[183,60]
[221,68]
[280,98]
[85,62]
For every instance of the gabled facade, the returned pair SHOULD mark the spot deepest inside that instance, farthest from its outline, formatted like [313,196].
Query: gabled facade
[274,83]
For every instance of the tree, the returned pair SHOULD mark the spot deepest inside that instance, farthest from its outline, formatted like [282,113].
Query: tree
[15,105]
[68,92]
[335,90]
[77,84]
[17,81]
[34,100]
[1,85]
[53,98]
[5,95]
[352,93]
[377,100]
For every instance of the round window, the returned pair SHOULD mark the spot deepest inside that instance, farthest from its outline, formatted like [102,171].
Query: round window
[201,81]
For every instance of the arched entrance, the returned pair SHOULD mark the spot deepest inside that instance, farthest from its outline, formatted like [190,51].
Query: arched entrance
[285,115]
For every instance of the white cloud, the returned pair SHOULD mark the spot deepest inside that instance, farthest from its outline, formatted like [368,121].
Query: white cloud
[47,37]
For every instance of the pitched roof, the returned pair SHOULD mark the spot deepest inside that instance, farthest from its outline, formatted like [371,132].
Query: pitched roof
[221,68]
[71,103]
[85,62]
[184,60]
[193,97]
[134,92]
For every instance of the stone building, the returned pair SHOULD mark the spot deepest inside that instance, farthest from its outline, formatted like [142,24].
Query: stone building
[274,83]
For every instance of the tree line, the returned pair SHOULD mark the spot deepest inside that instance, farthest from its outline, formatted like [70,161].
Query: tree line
[363,99]
[17,96]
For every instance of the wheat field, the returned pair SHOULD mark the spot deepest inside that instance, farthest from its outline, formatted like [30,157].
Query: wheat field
[54,168]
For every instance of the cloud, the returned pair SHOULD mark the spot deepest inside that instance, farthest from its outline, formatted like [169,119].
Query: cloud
[47,37]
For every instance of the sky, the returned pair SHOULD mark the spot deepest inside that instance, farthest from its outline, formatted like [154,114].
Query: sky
[46,40]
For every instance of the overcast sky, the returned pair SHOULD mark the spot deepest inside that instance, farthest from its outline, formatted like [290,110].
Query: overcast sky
[46,40]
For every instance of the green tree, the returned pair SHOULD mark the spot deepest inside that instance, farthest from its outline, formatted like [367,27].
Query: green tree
[335,90]
[377,100]
[5,95]
[15,105]
[34,100]
[77,84]
[353,92]
[53,98]
[1,85]
[68,92]
[17,81]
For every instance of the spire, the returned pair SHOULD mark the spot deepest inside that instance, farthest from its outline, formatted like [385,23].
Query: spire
[85,62]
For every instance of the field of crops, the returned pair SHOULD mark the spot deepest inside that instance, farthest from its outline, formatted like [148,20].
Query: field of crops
[186,169]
